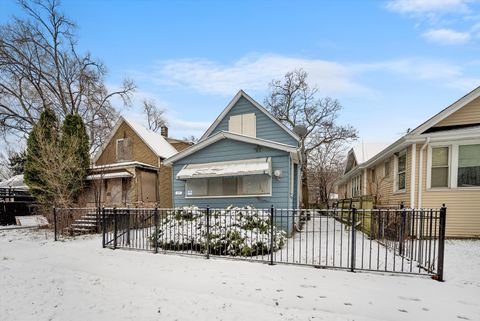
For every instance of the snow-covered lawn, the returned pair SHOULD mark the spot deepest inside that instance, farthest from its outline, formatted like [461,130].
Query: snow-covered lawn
[78,280]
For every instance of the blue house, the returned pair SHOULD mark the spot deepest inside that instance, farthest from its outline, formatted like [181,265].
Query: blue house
[246,157]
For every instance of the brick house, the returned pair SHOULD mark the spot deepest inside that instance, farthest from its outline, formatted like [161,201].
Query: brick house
[128,169]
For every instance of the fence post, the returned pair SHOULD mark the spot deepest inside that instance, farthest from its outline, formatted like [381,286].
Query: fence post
[208,232]
[353,246]
[114,228]
[271,234]
[441,242]
[104,227]
[55,224]
[155,219]
[401,241]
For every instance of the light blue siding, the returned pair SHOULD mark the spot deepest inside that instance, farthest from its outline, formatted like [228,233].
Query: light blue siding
[266,128]
[230,150]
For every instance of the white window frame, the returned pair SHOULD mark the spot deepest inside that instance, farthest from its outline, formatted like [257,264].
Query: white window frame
[453,162]
[450,167]
[389,162]
[356,185]
[232,196]
[395,172]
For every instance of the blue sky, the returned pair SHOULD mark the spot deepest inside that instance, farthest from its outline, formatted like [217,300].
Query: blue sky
[391,64]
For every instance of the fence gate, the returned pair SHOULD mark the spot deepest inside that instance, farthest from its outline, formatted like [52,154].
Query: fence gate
[394,240]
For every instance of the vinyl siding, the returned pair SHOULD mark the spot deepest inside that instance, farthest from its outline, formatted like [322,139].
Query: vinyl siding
[463,206]
[229,150]
[266,128]
[469,114]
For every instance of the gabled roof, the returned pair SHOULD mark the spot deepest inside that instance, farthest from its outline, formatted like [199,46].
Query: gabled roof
[232,103]
[362,153]
[229,135]
[156,142]
[468,98]
[365,151]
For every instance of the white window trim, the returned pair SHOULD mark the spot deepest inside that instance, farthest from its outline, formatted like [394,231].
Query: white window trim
[395,173]
[429,166]
[385,173]
[453,163]
[231,196]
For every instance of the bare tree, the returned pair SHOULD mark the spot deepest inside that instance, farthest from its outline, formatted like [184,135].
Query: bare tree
[294,102]
[325,166]
[40,66]
[191,138]
[155,116]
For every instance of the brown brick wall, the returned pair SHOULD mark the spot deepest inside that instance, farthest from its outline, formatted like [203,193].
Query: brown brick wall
[141,152]
[165,186]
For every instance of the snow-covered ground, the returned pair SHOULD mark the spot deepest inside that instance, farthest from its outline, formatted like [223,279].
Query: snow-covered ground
[78,280]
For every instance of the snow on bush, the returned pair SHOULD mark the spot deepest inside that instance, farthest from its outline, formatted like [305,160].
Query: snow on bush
[234,231]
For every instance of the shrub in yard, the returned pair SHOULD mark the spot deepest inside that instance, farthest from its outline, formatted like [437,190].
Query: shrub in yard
[234,231]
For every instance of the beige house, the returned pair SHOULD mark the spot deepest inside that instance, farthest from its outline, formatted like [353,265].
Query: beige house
[128,169]
[436,163]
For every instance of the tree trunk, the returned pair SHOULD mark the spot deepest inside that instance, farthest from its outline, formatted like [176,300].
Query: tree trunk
[305,200]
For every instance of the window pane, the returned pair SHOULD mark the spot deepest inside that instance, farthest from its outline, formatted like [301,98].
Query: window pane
[215,186]
[401,181]
[469,156]
[440,156]
[230,185]
[469,165]
[439,177]
[197,187]
[255,184]
[402,160]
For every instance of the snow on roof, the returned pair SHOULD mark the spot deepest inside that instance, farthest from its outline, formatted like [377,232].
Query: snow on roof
[365,151]
[14,182]
[155,141]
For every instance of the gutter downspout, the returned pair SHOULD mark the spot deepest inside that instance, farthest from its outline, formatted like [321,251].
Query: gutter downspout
[420,172]
[412,177]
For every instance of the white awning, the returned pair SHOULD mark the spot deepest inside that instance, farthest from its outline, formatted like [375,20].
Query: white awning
[110,175]
[232,168]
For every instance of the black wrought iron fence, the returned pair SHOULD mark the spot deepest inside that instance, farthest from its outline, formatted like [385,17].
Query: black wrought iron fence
[397,241]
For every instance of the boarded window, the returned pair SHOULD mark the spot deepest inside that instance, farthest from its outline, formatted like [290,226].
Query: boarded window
[229,186]
[124,149]
[243,124]
[440,167]
[469,165]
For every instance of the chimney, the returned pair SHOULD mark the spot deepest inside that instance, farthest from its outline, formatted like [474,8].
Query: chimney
[164,131]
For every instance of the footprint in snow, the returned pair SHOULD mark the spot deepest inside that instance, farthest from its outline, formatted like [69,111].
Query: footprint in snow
[403,310]
[409,299]
[258,289]
[308,286]
[347,303]
[462,317]
[425,309]
[299,296]
[322,296]
[280,290]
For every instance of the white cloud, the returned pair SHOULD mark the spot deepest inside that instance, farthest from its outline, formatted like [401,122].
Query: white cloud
[447,36]
[254,73]
[333,78]
[428,6]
